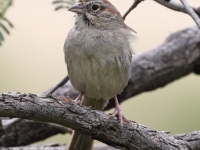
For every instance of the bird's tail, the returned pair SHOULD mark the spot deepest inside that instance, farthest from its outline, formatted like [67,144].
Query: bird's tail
[81,141]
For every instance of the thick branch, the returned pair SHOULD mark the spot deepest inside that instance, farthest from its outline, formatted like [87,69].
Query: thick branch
[24,132]
[93,122]
[178,56]
[56,147]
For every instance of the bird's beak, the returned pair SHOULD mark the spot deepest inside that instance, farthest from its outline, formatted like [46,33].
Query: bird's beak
[77,8]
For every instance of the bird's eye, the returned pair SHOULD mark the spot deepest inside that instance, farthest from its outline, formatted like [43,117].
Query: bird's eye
[95,7]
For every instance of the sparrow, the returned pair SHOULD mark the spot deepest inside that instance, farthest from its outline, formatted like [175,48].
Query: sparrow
[98,56]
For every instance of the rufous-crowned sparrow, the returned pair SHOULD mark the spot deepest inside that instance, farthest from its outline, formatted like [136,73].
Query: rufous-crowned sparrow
[98,55]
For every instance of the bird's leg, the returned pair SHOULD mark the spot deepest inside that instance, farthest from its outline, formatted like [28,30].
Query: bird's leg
[118,112]
[78,99]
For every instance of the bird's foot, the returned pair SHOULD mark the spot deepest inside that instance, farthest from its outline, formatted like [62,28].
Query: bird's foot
[66,99]
[118,112]
[78,99]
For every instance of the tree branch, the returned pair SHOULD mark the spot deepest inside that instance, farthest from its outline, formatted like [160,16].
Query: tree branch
[23,132]
[93,122]
[60,84]
[134,5]
[191,12]
[178,56]
[174,5]
[56,147]
[167,3]
[147,67]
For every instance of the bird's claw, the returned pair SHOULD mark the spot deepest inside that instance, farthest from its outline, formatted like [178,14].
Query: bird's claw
[66,99]
[77,101]
[121,117]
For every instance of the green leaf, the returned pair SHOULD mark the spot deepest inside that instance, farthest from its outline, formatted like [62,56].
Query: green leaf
[64,4]
[71,2]
[8,22]
[1,37]
[61,7]
[4,28]
[4,4]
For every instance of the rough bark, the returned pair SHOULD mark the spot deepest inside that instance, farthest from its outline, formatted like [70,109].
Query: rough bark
[25,132]
[176,5]
[178,56]
[56,147]
[94,123]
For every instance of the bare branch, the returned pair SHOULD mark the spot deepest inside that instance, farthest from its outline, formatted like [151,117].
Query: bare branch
[1,128]
[18,132]
[167,3]
[178,56]
[92,122]
[7,124]
[174,5]
[62,82]
[66,79]
[134,5]
[56,147]
[191,12]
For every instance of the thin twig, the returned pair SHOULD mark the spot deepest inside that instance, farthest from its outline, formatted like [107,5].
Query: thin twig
[191,12]
[64,80]
[61,128]
[177,6]
[134,5]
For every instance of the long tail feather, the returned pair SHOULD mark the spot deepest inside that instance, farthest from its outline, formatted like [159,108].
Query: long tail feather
[81,141]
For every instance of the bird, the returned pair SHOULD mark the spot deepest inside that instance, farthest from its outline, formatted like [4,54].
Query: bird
[98,55]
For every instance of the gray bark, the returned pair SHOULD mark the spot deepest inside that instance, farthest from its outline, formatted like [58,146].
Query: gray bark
[178,56]
[24,132]
[92,122]
[56,147]
[177,6]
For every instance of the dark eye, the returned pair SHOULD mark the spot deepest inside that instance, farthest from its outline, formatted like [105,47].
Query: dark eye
[95,7]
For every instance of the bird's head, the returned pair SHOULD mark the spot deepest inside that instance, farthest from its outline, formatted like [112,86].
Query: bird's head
[98,13]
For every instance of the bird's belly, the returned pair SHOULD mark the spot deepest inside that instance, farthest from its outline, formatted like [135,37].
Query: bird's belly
[99,78]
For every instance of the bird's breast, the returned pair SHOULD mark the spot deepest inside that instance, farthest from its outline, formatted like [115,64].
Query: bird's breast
[97,66]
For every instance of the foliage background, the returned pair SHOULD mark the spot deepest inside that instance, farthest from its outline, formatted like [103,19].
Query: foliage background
[31,60]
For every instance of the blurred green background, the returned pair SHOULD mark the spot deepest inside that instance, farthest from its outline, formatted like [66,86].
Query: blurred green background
[32,60]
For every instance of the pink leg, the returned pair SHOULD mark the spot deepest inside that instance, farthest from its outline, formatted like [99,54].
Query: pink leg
[118,112]
[78,99]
